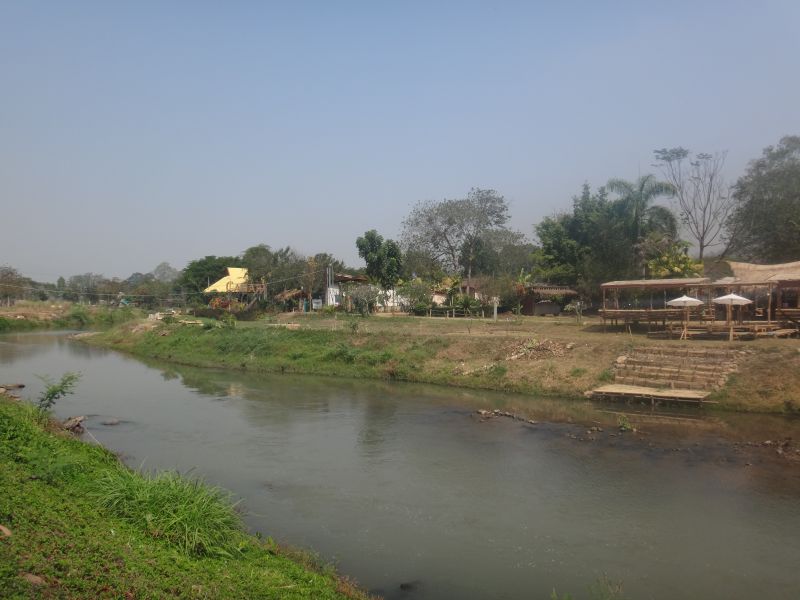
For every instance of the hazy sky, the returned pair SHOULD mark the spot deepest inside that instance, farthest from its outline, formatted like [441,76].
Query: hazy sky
[134,133]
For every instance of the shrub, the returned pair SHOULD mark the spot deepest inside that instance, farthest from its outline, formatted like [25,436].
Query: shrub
[342,352]
[77,316]
[421,309]
[228,320]
[498,371]
[606,375]
[55,391]
[624,423]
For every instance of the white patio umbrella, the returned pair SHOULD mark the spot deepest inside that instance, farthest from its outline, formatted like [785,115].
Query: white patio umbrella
[685,302]
[731,300]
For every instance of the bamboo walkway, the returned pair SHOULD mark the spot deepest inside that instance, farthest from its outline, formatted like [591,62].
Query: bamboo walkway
[639,392]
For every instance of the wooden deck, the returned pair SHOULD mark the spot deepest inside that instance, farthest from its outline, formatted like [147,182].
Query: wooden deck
[778,333]
[644,315]
[621,392]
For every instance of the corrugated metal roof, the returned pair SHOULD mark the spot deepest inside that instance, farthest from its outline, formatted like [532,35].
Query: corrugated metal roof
[552,290]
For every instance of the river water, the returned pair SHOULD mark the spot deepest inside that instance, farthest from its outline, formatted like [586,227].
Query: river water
[413,496]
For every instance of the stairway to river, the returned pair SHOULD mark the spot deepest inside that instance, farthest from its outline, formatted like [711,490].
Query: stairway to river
[664,373]
[677,368]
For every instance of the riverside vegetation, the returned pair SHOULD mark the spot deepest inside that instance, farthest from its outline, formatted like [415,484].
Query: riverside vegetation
[542,357]
[75,522]
[29,316]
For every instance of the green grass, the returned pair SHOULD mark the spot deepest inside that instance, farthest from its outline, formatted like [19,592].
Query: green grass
[78,317]
[339,353]
[196,518]
[88,527]
[10,325]
[453,352]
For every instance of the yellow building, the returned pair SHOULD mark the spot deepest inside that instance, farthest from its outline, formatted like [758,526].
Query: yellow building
[235,281]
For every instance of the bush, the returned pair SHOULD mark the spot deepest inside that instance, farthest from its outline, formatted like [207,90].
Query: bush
[55,391]
[421,309]
[606,375]
[77,317]
[228,320]
[342,352]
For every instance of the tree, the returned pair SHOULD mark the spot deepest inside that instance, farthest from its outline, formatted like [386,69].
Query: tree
[165,273]
[11,284]
[636,209]
[702,196]
[673,260]
[590,245]
[384,259]
[764,224]
[601,239]
[200,273]
[369,248]
[309,278]
[85,287]
[259,261]
[451,231]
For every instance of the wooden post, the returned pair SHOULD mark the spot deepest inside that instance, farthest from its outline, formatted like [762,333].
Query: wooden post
[730,322]
[769,305]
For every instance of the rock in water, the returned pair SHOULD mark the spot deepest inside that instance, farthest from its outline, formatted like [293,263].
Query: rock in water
[73,424]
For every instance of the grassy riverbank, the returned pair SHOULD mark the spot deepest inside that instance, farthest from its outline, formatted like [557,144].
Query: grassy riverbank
[30,316]
[542,357]
[76,523]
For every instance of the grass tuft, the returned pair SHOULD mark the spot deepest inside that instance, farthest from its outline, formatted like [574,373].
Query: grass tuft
[197,518]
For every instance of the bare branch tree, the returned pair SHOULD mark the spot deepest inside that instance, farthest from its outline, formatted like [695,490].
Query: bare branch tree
[451,230]
[703,198]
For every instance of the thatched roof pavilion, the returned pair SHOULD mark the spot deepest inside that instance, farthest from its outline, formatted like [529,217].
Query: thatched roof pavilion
[650,314]
[780,278]
[657,284]
[775,290]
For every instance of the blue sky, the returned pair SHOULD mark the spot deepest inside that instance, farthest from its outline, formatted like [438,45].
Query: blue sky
[133,133]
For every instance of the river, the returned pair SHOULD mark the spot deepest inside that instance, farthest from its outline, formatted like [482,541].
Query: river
[408,492]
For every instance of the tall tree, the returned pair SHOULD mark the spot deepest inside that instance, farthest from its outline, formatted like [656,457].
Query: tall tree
[259,261]
[11,284]
[587,246]
[85,287]
[452,231]
[200,273]
[384,259]
[165,273]
[369,248]
[765,222]
[636,208]
[700,191]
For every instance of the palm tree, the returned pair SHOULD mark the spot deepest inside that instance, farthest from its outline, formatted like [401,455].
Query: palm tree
[642,217]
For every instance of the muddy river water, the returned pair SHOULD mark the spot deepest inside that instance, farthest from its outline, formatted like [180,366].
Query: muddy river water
[412,495]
